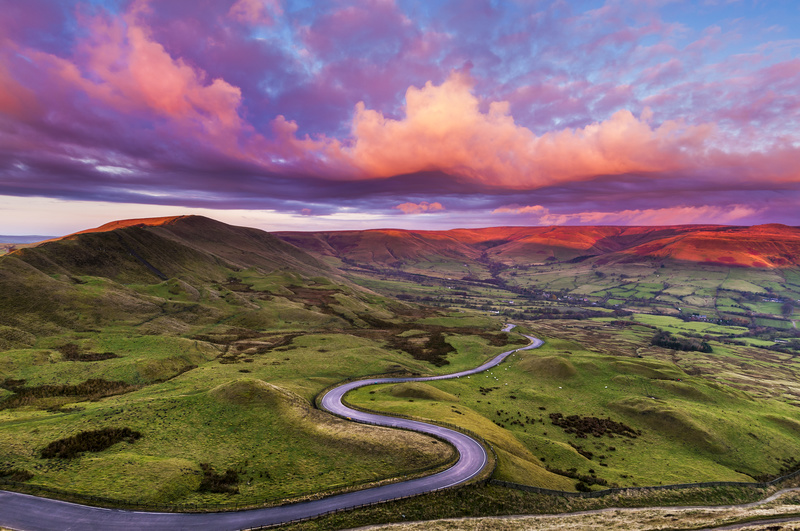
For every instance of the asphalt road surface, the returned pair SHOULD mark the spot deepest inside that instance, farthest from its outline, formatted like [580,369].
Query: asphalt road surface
[31,513]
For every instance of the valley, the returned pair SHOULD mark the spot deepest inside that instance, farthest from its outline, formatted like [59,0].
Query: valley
[213,342]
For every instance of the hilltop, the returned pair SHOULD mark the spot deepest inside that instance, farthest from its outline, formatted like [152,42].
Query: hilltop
[127,270]
[149,250]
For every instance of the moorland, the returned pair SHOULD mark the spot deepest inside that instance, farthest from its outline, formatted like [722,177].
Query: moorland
[176,361]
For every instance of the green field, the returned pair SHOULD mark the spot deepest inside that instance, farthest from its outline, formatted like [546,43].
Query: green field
[223,377]
[690,428]
[254,417]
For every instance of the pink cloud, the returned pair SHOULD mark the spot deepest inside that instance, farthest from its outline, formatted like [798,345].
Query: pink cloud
[255,11]
[663,73]
[419,208]
[15,99]
[538,210]
[358,27]
[97,99]
[444,129]
[678,215]
[119,65]
[131,68]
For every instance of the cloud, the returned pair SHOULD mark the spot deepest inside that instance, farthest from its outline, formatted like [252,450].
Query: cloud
[117,64]
[535,210]
[419,208]
[444,129]
[245,104]
[678,215]
[255,11]
[15,99]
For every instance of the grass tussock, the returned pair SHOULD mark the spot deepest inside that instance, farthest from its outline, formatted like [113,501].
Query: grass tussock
[549,367]
[15,474]
[672,422]
[12,337]
[251,392]
[421,391]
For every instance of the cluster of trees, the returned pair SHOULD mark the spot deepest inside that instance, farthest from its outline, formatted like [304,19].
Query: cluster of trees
[573,313]
[665,339]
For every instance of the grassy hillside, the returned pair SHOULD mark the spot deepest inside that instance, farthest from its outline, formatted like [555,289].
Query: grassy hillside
[600,300]
[211,342]
[601,406]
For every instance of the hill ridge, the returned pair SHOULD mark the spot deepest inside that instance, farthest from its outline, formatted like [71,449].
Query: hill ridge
[762,246]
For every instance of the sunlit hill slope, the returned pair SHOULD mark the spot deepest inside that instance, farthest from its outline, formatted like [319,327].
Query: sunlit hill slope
[763,246]
[187,270]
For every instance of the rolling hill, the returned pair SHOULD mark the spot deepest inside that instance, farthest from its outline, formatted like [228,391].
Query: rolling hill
[185,268]
[193,350]
[764,246]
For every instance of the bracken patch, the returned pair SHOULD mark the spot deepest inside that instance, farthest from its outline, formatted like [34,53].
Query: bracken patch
[89,441]
[226,483]
[72,352]
[15,474]
[92,389]
[583,426]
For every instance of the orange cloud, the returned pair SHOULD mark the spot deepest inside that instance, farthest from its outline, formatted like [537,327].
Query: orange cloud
[444,129]
[681,215]
[414,208]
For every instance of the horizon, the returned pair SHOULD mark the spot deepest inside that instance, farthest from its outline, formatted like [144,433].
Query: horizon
[120,223]
[280,115]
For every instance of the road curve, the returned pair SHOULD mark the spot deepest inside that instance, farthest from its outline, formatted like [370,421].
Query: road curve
[31,513]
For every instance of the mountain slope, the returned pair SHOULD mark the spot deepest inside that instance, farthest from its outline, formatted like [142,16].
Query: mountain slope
[190,268]
[765,246]
[149,250]
[762,246]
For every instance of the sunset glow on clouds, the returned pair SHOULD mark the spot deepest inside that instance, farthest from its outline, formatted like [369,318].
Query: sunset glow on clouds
[680,215]
[413,208]
[588,112]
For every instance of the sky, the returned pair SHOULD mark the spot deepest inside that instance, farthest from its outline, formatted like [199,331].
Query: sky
[435,114]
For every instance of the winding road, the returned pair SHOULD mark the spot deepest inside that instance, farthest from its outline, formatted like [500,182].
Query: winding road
[31,513]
